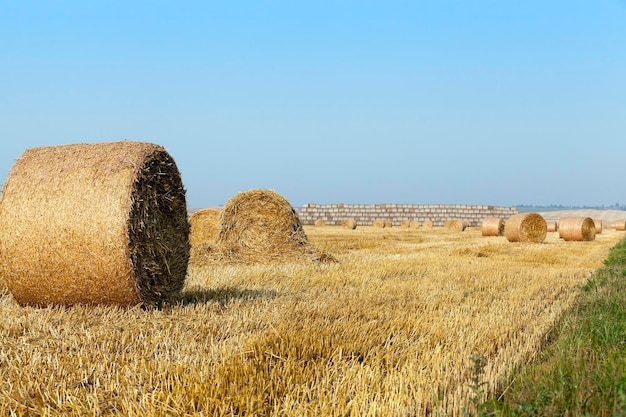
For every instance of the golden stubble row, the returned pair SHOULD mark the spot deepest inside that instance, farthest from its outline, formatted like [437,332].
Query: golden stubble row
[389,330]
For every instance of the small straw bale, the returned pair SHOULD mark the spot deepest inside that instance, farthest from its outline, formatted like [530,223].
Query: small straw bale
[599,225]
[577,229]
[258,226]
[349,224]
[552,225]
[428,224]
[455,225]
[405,224]
[620,225]
[526,227]
[102,223]
[203,226]
[493,226]
[414,224]
[379,223]
[388,223]
[320,223]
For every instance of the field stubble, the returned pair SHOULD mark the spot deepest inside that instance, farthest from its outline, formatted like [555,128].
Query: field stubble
[388,330]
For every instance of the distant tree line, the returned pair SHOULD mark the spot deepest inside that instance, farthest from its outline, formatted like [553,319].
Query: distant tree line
[550,207]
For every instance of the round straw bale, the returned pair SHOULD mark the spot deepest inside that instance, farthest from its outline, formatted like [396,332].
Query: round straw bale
[620,225]
[493,226]
[577,228]
[552,225]
[455,225]
[388,223]
[414,224]
[405,223]
[101,223]
[259,226]
[428,224]
[599,225]
[203,225]
[320,223]
[526,227]
[349,224]
[379,223]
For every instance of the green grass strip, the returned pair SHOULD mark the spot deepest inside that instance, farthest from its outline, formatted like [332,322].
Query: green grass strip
[582,370]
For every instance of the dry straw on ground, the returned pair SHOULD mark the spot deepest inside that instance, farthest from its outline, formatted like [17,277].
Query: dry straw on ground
[492,226]
[204,225]
[349,224]
[379,223]
[98,223]
[526,227]
[455,225]
[258,226]
[577,228]
[320,223]
[552,226]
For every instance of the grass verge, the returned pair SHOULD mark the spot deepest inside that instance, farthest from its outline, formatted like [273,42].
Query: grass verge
[582,370]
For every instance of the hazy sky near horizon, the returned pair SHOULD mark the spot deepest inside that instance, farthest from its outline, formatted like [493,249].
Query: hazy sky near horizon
[426,102]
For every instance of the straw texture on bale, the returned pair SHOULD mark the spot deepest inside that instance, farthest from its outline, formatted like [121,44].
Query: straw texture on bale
[620,225]
[320,223]
[405,223]
[101,223]
[526,227]
[388,223]
[379,223]
[349,224]
[455,225]
[599,225]
[258,226]
[577,229]
[552,226]
[492,226]
[204,225]
[428,224]
[414,224]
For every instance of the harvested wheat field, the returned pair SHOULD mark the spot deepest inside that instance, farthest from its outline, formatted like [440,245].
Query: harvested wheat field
[389,330]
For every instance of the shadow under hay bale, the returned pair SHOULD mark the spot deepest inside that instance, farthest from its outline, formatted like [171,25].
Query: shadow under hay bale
[349,224]
[204,225]
[526,227]
[258,226]
[492,226]
[94,224]
[577,229]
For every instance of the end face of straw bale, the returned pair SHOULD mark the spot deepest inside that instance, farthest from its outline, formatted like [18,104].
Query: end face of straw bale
[577,229]
[428,224]
[349,224]
[526,227]
[414,224]
[455,225]
[94,224]
[492,226]
[379,223]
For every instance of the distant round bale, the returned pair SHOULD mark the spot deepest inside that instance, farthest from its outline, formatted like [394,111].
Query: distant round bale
[405,223]
[492,226]
[204,225]
[599,225]
[379,223]
[428,224]
[414,224]
[526,227]
[552,225]
[349,224]
[102,223]
[455,225]
[320,223]
[620,225]
[388,223]
[577,228]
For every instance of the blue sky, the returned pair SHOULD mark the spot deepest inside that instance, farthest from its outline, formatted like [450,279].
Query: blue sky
[426,102]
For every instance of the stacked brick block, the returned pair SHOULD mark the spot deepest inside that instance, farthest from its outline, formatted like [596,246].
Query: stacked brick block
[365,214]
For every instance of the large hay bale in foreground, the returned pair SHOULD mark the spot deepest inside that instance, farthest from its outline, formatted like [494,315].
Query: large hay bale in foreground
[349,224]
[204,225]
[258,226]
[492,226]
[577,229]
[98,223]
[526,227]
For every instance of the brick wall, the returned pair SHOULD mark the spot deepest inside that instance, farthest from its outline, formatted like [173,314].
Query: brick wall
[365,214]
